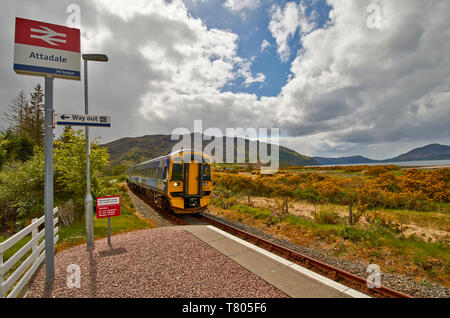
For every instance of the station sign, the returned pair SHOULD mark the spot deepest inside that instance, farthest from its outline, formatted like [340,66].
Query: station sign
[108,206]
[82,120]
[42,49]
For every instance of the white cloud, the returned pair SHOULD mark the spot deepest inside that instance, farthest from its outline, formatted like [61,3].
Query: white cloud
[238,5]
[285,23]
[260,78]
[353,90]
[264,45]
[193,64]
[356,86]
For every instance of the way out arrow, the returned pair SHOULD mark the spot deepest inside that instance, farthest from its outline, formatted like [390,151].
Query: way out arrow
[64,117]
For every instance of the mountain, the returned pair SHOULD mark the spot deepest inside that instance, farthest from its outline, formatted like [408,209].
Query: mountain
[129,151]
[430,152]
[344,160]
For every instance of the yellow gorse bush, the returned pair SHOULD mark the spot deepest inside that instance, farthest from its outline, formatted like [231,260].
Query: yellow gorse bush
[414,189]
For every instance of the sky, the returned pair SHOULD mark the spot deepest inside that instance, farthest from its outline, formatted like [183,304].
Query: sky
[337,77]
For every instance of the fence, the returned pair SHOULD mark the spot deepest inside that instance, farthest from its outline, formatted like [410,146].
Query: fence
[22,274]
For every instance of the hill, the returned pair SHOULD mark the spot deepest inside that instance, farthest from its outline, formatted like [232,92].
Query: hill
[129,151]
[430,152]
[344,160]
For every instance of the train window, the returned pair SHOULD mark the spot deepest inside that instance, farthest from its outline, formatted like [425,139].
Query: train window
[165,173]
[177,172]
[206,172]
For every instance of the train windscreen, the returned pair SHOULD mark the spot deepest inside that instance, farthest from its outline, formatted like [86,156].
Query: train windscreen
[177,172]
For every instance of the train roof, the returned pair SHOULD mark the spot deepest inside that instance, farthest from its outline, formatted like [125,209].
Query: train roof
[172,154]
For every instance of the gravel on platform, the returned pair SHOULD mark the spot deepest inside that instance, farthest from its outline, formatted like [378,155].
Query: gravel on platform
[151,263]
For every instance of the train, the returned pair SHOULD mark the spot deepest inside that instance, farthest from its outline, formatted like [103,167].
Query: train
[180,182]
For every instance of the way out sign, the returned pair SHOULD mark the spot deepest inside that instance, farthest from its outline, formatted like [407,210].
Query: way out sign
[82,120]
[42,49]
[108,206]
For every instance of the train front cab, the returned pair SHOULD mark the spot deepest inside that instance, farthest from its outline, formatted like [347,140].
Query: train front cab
[190,182]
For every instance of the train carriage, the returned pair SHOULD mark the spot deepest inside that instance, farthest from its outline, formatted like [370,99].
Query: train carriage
[180,182]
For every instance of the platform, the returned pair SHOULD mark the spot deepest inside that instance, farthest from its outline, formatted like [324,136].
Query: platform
[196,261]
[292,279]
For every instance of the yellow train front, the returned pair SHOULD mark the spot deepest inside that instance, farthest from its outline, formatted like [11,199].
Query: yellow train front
[180,182]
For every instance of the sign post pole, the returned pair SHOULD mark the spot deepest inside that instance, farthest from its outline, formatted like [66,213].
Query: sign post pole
[48,181]
[109,231]
[88,201]
[108,207]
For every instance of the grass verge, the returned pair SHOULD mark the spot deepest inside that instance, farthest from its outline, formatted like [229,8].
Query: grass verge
[127,221]
[372,243]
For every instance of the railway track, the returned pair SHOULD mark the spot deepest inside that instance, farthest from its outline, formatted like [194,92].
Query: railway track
[336,274]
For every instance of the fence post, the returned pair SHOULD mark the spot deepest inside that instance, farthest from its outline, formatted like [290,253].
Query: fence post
[34,234]
[350,214]
[2,278]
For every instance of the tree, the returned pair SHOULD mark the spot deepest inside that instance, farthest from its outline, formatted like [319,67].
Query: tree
[66,135]
[26,118]
[70,167]
[14,147]
[22,184]
[35,125]
[18,114]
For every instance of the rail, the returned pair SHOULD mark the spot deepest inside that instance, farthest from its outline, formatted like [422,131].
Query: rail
[309,262]
[17,280]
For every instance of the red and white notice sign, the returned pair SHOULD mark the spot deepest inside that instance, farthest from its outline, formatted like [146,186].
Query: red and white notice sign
[108,206]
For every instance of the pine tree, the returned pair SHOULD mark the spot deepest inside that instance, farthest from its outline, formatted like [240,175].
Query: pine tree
[36,124]
[26,118]
[18,114]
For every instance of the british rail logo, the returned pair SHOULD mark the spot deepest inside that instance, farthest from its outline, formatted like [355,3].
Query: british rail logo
[48,35]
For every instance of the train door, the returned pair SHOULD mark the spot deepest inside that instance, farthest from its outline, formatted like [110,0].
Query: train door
[193,177]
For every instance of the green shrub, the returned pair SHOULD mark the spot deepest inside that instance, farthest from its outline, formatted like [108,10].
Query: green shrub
[22,184]
[326,215]
[224,203]
[355,234]
[256,213]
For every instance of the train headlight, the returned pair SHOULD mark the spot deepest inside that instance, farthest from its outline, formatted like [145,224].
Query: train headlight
[176,184]
[205,184]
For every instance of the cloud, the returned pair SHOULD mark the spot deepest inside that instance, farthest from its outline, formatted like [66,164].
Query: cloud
[285,23]
[352,89]
[365,86]
[238,5]
[264,45]
[188,65]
